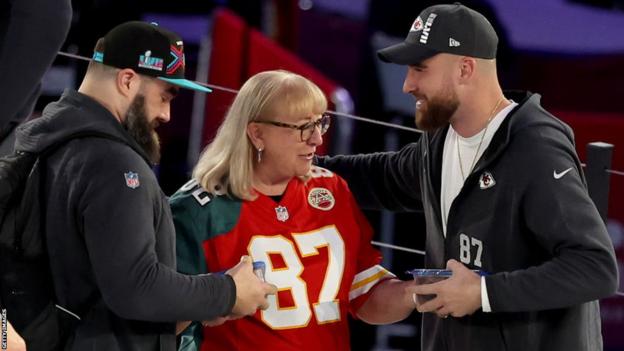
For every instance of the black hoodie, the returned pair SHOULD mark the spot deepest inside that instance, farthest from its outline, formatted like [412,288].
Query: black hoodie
[111,237]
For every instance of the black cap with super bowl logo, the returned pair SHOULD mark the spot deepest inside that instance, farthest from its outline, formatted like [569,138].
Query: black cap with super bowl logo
[450,28]
[147,49]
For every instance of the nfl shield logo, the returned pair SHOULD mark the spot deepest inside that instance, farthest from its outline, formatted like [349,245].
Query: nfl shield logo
[282,213]
[132,180]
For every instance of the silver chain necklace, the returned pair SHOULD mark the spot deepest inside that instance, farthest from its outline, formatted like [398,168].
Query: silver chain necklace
[474,159]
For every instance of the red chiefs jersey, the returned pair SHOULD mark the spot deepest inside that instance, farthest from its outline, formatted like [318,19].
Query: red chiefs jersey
[315,243]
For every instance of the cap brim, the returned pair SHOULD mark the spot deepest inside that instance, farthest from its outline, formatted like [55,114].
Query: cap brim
[185,83]
[406,53]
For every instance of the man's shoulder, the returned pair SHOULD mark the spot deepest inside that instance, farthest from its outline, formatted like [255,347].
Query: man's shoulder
[102,148]
[102,161]
[530,118]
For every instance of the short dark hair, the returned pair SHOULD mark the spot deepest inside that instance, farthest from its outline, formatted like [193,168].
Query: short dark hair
[95,66]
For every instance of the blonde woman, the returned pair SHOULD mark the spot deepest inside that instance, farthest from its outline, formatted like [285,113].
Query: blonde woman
[255,192]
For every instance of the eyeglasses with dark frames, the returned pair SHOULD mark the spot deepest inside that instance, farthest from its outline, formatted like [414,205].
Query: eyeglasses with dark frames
[306,129]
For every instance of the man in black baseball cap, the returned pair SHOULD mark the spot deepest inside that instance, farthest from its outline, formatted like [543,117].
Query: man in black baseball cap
[108,224]
[150,55]
[502,191]
[440,37]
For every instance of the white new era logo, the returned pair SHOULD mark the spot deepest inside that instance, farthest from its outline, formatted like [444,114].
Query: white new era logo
[453,42]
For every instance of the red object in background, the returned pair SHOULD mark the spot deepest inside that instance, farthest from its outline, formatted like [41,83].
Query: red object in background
[609,128]
[240,52]
[226,69]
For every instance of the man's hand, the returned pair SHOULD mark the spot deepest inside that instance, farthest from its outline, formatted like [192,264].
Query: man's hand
[251,292]
[215,322]
[457,296]
[182,325]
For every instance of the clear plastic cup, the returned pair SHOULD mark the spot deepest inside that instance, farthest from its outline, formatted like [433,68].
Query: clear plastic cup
[428,276]
[259,268]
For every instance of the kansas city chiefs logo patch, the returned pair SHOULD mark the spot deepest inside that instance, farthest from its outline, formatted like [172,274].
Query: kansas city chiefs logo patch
[417,25]
[486,180]
[321,199]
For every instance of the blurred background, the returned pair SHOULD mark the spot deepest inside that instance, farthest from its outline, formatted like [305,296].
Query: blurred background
[569,51]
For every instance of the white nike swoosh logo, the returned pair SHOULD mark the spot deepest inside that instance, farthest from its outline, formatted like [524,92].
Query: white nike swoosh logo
[559,175]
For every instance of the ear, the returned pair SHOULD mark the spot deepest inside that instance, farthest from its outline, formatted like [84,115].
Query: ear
[128,82]
[254,132]
[467,69]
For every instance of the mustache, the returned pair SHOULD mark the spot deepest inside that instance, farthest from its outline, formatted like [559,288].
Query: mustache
[437,111]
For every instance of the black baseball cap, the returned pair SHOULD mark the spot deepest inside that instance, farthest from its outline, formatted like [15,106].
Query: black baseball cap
[450,28]
[147,49]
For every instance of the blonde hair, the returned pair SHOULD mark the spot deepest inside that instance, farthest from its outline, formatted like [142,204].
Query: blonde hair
[226,165]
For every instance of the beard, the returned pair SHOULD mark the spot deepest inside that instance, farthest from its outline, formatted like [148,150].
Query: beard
[141,129]
[437,111]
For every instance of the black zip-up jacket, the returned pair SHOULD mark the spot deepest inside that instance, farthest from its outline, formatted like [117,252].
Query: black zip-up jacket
[523,214]
[110,235]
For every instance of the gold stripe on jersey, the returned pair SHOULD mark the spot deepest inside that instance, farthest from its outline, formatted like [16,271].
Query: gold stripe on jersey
[365,280]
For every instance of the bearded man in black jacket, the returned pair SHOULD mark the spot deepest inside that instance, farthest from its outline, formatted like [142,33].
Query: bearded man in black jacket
[502,191]
[110,234]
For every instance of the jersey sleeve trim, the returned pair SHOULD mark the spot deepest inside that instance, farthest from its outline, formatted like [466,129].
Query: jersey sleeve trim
[365,280]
